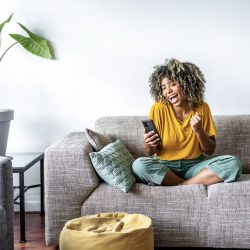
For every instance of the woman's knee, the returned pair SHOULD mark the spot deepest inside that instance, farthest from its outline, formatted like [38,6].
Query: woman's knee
[138,166]
[236,167]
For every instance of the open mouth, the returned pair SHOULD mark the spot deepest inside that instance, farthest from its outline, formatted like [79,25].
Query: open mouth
[173,99]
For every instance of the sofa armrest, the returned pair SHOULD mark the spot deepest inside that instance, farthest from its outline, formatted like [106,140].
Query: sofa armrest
[6,204]
[69,180]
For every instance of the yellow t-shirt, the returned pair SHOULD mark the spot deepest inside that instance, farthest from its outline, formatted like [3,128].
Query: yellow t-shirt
[178,139]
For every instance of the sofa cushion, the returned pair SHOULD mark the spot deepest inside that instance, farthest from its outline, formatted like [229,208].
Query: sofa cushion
[179,213]
[128,129]
[229,213]
[113,164]
[233,138]
[96,139]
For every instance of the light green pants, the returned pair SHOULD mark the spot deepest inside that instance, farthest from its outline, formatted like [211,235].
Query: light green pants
[153,170]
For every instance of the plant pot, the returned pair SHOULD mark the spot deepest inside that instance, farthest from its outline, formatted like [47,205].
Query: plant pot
[6,115]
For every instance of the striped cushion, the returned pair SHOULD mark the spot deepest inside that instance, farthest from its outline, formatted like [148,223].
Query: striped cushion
[96,139]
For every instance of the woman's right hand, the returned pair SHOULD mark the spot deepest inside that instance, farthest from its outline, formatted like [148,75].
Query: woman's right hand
[151,139]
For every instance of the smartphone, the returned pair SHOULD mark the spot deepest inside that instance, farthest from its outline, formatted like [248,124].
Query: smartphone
[150,126]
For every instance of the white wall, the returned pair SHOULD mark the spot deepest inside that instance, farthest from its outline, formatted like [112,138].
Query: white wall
[105,51]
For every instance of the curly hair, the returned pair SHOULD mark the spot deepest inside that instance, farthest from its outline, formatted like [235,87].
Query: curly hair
[187,74]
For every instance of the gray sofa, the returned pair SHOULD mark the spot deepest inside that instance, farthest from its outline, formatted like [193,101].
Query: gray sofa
[6,205]
[183,216]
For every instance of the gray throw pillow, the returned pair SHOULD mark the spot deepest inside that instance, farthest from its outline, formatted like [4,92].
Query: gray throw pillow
[113,164]
[96,139]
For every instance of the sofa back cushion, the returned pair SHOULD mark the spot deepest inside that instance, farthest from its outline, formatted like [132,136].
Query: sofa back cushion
[128,129]
[233,138]
[233,135]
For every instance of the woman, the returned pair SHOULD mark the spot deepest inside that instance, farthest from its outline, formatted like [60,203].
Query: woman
[187,130]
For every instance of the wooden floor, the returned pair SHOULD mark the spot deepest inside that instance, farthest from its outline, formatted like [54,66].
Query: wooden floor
[34,233]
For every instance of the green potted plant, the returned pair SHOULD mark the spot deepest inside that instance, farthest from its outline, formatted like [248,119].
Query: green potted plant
[35,45]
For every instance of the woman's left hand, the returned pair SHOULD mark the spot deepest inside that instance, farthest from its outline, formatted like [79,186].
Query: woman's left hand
[196,123]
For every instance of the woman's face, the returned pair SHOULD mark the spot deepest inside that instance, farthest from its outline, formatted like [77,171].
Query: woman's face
[172,91]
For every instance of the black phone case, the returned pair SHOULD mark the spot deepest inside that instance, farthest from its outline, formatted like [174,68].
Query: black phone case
[149,126]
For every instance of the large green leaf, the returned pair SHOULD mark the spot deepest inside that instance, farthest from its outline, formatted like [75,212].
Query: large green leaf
[34,44]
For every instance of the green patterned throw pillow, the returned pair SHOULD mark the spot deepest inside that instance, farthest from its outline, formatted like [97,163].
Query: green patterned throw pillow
[113,164]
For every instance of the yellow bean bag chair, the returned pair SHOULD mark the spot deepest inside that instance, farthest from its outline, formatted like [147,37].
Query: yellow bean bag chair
[108,231]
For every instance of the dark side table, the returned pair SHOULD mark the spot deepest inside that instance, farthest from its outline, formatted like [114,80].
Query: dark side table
[21,162]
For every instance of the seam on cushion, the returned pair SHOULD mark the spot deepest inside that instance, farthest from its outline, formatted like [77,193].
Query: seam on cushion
[206,190]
